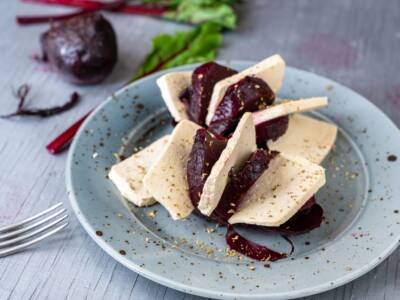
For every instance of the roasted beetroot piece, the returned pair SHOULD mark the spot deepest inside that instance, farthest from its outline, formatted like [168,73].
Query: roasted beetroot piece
[240,181]
[251,249]
[82,49]
[248,95]
[198,95]
[308,218]
[310,203]
[271,130]
[205,152]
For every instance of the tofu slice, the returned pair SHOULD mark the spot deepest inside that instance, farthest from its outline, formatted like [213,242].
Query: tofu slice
[238,149]
[128,174]
[306,137]
[271,70]
[171,86]
[280,192]
[166,180]
[287,108]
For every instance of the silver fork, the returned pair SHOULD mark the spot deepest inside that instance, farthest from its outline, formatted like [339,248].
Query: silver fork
[16,237]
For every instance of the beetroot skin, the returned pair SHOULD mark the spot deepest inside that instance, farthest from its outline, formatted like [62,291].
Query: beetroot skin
[197,96]
[248,95]
[82,49]
[205,152]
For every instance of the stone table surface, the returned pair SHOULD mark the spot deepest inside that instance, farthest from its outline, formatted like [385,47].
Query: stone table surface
[356,43]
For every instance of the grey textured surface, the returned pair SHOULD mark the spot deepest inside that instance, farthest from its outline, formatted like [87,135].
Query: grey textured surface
[354,42]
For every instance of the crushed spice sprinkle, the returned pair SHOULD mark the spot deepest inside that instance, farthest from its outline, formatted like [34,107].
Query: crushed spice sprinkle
[210,230]
[152,214]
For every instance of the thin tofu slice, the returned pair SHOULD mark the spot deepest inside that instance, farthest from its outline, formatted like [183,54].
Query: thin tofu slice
[166,180]
[171,86]
[306,137]
[128,174]
[238,149]
[287,108]
[280,192]
[271,70]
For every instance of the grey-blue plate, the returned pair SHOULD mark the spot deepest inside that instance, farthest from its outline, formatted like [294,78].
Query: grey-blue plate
[360,199]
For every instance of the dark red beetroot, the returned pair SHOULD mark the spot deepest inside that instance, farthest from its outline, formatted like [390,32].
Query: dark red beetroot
[205,152]
[240,181]
[83,49]
[271,130]
[197,96]
[305,220]
[251,249]
[248,95]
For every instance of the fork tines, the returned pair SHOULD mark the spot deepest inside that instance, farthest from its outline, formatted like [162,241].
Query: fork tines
[16,237]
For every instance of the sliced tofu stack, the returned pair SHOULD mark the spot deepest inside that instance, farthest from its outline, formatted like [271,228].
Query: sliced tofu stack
[271,70]
[128,174]
[285,186]
[306,137]
[171,86]
[238,149]
[166,180]
[288,107]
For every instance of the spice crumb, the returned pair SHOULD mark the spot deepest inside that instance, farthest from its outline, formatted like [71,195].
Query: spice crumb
[152,214]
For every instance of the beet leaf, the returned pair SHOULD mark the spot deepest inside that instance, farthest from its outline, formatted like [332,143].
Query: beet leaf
[196,45]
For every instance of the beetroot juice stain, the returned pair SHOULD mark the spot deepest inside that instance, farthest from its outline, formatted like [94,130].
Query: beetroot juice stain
[327,49]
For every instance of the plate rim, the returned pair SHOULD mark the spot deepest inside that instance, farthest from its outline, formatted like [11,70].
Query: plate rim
[185,287]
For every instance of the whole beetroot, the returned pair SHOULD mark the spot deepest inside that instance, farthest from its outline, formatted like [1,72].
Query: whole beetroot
[82,49]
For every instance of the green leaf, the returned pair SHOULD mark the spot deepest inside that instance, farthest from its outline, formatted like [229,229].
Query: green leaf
[201,11]
[165,3]
[181,48]
[175,3]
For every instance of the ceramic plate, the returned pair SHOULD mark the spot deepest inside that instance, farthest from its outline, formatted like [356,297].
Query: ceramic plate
[361,200]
